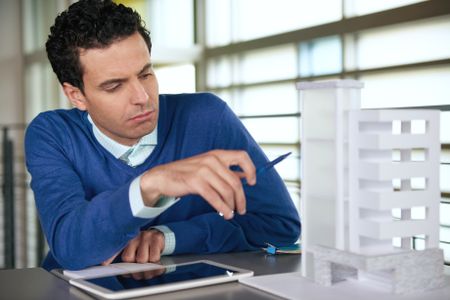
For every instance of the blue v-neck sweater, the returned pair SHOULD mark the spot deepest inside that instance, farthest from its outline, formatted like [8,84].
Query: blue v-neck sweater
[81,190]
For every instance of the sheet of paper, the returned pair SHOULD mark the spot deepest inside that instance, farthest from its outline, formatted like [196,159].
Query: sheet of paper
[294,286]
[112,269]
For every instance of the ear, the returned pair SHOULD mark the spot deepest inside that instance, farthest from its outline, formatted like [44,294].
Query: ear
[75,96]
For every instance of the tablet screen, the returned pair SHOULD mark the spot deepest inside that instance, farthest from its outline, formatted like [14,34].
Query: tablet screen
[161,276]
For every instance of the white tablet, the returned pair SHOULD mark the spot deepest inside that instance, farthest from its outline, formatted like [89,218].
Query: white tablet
[165,279]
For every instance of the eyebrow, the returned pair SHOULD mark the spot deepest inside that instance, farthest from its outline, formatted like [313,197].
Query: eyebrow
[147,67]
[104,84]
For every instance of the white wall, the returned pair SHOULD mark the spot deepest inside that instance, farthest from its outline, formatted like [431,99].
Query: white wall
[12,113]
[11,95]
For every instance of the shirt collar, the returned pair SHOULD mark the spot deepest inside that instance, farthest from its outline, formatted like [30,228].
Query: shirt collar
[117,149]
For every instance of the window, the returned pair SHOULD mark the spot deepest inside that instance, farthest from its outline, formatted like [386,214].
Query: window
[266,65]
[363,7]
[236,20]
[254,62]
[400,88]
[252,52]
[404,44]
[171,22]
[321,56]
[176,79]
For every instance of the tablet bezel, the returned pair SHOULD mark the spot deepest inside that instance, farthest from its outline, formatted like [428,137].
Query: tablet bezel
[164,288]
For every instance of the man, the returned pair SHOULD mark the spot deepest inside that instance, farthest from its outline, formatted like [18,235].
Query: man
[129,174]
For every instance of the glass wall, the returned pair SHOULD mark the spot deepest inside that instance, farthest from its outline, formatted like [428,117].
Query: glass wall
[252,52]
[230,21]
[254,62]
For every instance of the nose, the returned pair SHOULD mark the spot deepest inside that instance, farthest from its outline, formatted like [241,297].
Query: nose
[139,95]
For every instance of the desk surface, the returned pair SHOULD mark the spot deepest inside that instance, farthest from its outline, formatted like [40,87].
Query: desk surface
[38,284]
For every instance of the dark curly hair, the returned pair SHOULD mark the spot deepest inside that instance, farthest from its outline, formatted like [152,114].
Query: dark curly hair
[89,24]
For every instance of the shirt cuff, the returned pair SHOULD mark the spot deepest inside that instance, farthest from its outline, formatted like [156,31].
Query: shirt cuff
[138,207]
[169,239]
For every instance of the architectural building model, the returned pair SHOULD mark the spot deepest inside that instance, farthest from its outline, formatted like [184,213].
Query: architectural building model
[363,173]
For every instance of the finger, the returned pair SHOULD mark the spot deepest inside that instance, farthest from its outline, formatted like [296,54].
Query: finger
[129,253]
[215,174]
[234,182]
[230,186]
[142,253]
[214,199]
[155,255]
[156,246]
[240,174]
[110,260]
[220,206]
[241,159]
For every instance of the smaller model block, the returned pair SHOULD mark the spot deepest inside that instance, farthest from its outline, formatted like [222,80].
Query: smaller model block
[405,272]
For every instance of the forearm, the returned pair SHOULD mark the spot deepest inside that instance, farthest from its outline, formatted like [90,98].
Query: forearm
[271,217]
[88,232]
[210,233]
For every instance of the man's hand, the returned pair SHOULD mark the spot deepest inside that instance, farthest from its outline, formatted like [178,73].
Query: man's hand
[146,247]
[207,175]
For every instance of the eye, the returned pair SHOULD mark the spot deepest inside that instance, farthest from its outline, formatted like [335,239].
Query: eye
[112,88]
[146,75]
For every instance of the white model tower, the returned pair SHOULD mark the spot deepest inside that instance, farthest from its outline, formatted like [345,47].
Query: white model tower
[324,152]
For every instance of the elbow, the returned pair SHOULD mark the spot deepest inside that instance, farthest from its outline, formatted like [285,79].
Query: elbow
[293,231]
[297,232]
[279,231]
[289,231]
[72,257]
[70,262]
[72,266]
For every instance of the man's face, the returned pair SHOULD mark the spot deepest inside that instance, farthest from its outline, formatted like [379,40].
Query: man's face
[120,89]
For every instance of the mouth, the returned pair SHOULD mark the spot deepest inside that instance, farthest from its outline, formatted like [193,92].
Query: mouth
[145,116]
